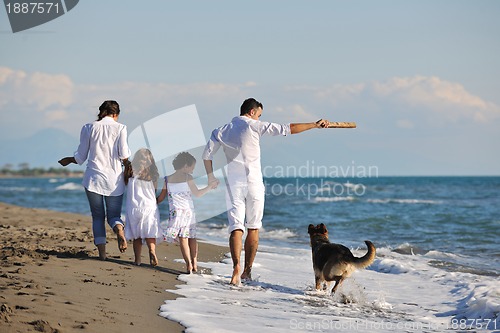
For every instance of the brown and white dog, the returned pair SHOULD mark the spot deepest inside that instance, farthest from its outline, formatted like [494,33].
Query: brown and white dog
[334,262]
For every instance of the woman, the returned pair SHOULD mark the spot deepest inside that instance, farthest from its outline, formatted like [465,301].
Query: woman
[103,143]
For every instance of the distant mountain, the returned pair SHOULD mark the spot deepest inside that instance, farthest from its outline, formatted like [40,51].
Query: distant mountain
[43,149]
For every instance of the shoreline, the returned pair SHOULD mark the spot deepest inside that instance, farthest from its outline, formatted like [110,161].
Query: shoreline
[52,281]
[44,175]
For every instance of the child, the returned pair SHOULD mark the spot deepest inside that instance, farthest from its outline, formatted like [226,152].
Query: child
[181,224]
[142,214]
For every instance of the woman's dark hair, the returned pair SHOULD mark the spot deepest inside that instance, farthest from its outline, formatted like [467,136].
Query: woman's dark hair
[248,105]
[108,108]
[183,159]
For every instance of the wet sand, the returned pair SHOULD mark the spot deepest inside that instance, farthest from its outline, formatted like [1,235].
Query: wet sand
[51,279]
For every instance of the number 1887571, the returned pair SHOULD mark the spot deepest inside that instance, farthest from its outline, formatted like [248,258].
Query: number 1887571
[32,8]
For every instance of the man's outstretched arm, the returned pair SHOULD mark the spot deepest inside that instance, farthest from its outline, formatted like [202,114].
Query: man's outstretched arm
[301,127]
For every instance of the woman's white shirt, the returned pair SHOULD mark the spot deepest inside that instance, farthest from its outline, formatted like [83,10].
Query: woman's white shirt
[104,145]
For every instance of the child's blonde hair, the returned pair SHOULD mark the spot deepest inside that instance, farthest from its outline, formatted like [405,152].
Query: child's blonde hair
[143,166]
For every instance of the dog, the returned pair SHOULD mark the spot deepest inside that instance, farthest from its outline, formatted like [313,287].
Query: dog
[334,262]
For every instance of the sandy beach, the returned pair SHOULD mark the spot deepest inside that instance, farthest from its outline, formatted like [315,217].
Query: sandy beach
[52,281]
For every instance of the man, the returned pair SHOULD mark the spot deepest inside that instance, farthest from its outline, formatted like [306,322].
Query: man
[240,140]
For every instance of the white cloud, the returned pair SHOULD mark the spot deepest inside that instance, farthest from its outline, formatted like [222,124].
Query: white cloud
[429,91]
[385,111]
[56,101]
[335,94]
[138,97]
[57,115]
[342,91]
[293,113]
[30,102]
[45,90]
[427,94]
[38,90]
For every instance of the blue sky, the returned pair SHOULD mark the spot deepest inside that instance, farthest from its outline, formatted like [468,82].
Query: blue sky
[420,78]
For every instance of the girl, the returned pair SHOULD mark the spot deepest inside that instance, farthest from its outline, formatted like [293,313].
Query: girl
[142,214]
[181,224]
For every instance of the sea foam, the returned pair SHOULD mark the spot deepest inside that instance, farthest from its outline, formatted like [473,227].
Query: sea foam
[397,293]
[69,187]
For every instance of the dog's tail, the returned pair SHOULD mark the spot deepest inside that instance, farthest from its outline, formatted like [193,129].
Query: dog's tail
[368,258]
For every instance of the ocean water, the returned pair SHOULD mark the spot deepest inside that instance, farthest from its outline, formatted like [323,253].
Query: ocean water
[437,266]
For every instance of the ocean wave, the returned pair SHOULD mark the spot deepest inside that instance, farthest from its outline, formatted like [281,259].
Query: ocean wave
[480,306]
[405,201]
[346,184]
[452,262]
[330,186]
[212,232]
[389,266]
[19,189]
[55,180]
[69,187]
[381,300]
[219,233]
[354,186]
[334,199]
[277,234]
[409,249]
[441,255]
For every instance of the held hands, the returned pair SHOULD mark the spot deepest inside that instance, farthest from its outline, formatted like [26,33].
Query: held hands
[213,183]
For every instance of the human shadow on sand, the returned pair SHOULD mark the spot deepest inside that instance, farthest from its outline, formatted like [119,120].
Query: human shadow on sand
[73,253]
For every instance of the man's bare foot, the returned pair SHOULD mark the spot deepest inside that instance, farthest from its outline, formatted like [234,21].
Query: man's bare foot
[247,275]
[235,279]
[153,260]
[120,237]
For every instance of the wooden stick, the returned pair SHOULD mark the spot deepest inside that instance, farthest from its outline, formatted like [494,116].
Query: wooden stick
[341,124]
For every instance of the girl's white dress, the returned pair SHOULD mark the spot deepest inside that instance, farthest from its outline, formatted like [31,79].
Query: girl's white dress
[182,219]
[142,213]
